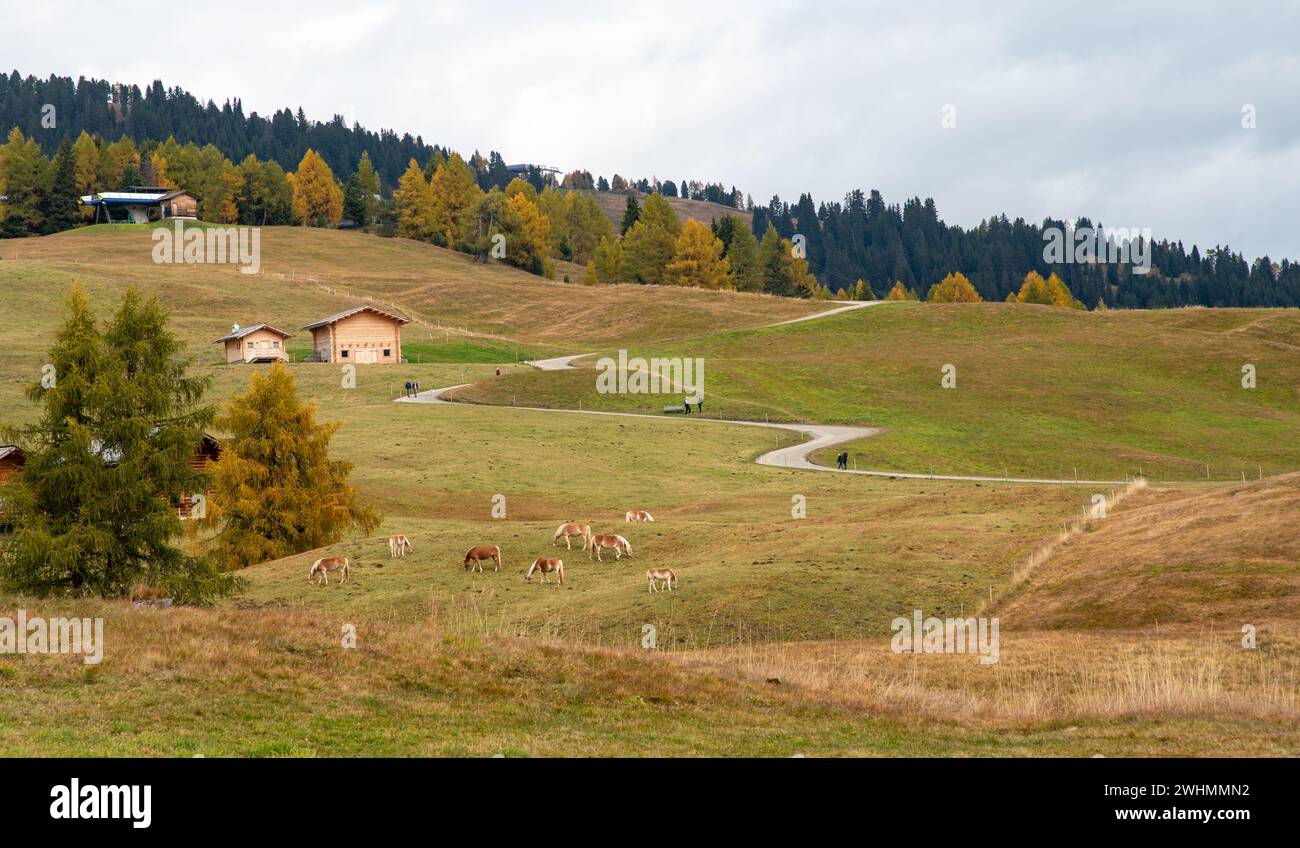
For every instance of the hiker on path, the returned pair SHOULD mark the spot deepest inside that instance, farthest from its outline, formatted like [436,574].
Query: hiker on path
[686,406]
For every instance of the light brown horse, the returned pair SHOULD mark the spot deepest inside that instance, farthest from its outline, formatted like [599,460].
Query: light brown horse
[545,566]
[320,569]
[664,576]
[637,515]
[620,545]
[398,545]
[476,556]
[567,530]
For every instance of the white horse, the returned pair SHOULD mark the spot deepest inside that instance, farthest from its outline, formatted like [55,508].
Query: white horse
[398,545]
[620,546]
[664,576]
[637,515]
[570,529]
[545,566]
[321,568]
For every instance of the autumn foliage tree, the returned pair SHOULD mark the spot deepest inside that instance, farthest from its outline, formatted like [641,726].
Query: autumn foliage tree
[862,291]
[527,233]
[414,205]
[1049,292]
[901,292]
[607,264]
[954,288]
[276,490]
[453,193]
[698,260]
[317,196]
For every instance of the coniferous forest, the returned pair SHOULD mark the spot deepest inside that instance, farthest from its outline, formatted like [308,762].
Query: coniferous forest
[858,247]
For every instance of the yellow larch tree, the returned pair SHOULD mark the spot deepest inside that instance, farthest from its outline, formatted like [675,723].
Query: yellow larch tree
[317,196]
[698,260]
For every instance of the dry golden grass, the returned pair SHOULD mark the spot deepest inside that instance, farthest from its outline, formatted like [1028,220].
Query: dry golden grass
[1088,518]
[305,271]
[1226,554]
[615,204]
[1044,676]
[278,682]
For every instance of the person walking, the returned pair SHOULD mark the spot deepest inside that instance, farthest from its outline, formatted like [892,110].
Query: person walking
[686,405]
[843,461]
[699,403]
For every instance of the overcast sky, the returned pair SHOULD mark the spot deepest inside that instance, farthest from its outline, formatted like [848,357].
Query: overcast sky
[1130,113]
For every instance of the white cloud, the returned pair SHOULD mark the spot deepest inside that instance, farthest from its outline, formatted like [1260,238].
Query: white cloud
[1126,113]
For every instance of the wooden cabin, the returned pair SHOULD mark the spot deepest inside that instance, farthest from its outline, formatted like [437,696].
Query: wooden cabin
[208,452]
[12,460]
[142,204]
[363,335]
[255,343]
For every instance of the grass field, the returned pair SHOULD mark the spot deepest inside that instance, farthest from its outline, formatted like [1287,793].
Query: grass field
[1039,392]
[1124,641]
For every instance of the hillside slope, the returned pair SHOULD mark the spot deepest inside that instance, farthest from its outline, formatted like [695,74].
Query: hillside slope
[1038,391]
[614,205]
[307,274]
[1227,554]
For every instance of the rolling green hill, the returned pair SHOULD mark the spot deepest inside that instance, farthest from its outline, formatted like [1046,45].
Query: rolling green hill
[1039,391]
[777,639]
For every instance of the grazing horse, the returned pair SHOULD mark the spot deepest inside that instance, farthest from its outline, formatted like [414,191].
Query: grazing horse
[618,543]
[478,554]
[398,545]
[323,566]
[637,515]
[544,566]
[582,531]
[666,576]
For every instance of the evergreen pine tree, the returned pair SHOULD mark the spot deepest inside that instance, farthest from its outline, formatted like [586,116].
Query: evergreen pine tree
[94,509]
[631,213]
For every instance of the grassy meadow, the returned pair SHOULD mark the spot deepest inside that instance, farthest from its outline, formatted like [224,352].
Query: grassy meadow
[1125,641]
[1039,392]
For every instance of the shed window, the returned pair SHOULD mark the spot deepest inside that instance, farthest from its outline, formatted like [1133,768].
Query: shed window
[388,352]
[275,345]
[344,354]
[250,345]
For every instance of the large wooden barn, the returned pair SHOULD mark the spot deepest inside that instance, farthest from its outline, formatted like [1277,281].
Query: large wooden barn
[361,335]
[255,343]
